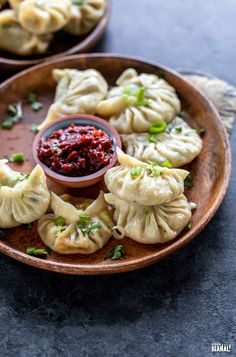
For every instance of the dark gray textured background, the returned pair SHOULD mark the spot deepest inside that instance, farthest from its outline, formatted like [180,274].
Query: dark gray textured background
[179,306]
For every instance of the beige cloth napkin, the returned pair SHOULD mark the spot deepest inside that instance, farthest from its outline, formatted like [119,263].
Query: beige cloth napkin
[219,92]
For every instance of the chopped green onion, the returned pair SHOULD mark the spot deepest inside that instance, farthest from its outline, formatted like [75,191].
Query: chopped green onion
[22,177]
[200,131]
[161,75]
[37,251]
[36,106]
[136,171]
[127,90]
[179,129]
[77,2]
[32,97]
[27,226]
[88,228]
[95,225]
[18,157]
[59,221]
[34,129]
[168,164]
[2,233]
[7,123]
[7,25]
[158,127]
[188,226]
[14,115]
[146,210]
[152,138]
[188,182]
[140,95]
[84,219]
[116,253]
[153,169]
[183,114]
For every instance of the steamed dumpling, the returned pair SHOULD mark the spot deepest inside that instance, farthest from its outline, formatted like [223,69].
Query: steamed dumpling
[77,92]
[84,16]
[146,184]
[179,144]
[138,101]
[152,224]
[23,199]
[14,39]
[81,231]
[44,16]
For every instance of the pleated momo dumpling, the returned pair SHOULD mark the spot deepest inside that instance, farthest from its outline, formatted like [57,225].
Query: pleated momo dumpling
[146,184]
[68,230]
[77,92]
[151,224]
[14,39]
[84,16]
[23,199]
[138,101]
[44,16]
[179,144]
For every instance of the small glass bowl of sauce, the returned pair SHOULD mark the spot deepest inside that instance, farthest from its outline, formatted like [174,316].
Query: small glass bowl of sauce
[76,151]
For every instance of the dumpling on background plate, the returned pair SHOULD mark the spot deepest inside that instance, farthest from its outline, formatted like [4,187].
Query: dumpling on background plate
[138,101]
[179,144]
[151,224]
[68,230]
[14,39]
[77,92]
[146,184]
[23,198]
[85,14]
[44,16]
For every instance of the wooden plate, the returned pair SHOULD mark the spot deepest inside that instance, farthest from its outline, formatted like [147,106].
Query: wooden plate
[62,45]
[210,171]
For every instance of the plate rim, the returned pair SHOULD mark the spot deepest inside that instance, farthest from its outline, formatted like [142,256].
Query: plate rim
[136,263]
[82,47]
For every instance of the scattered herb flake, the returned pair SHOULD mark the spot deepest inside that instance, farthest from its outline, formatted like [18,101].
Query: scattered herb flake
[136,171]
[18,157]
[200,131]
[157,127]
[37,252]
[60,221]
[188,182]
[2,233]
[34,129]
[32,97]
[27,226]
[84,219]
[152,138]
[7,25]
[189,226]
[36,106]
[179,129]
[14,115]
[77,2]
[116,253]
[167,164]
[7,123]
[183,114]
[22,177]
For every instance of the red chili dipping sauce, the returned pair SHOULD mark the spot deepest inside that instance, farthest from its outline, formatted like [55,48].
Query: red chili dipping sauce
[76,150]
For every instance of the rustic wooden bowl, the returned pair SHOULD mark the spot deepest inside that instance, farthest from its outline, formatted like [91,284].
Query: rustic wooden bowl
[210,171]
[62,45]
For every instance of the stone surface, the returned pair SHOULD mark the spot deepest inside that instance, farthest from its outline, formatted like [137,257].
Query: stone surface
[179,306]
